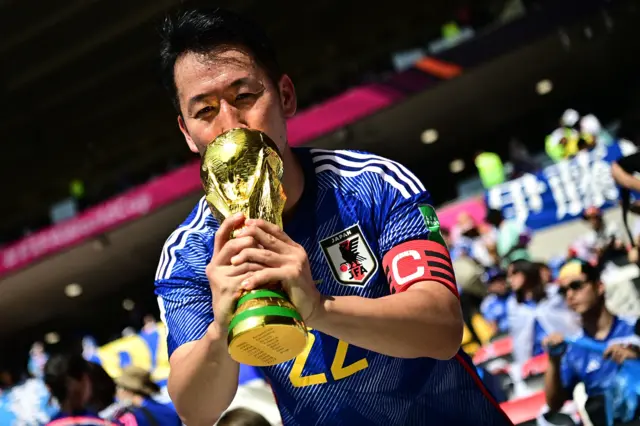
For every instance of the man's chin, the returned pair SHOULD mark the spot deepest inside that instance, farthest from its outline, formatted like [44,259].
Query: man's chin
[579,309]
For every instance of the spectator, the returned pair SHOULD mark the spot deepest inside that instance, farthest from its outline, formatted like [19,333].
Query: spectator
[623,172]
[490,169]
[545,273]
[37,360]
[23,400]
[563,141]
[474,239]
[465,226]
[471,288]
[242,417]
[602,242]
[512,239]
[521,160]
[90,349]
[103,395]
[494,306]
[136,390]
[534,312]
[68,380]
[581,285]
[592,132]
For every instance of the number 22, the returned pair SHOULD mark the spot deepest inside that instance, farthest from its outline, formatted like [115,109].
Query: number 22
[338,369]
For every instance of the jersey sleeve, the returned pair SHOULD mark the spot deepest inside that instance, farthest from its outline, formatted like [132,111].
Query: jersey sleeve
[568,377]
[410,242]
[182,288]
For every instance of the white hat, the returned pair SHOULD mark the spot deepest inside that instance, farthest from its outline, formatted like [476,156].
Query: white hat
[590,125]
[570,117]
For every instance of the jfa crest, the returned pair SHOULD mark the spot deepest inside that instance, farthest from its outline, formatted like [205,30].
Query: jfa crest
[350,257]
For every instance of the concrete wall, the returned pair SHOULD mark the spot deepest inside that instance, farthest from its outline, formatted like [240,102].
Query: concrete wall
[555,241]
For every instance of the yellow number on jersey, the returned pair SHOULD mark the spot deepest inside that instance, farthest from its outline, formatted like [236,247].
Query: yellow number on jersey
[338,369]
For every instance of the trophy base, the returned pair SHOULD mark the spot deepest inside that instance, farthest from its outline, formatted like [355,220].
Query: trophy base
[263,341]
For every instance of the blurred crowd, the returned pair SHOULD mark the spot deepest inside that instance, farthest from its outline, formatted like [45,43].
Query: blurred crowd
[72,388]
[573,316]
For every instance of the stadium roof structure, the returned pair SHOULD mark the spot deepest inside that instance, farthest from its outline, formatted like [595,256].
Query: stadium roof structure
[80,93]
[108,255]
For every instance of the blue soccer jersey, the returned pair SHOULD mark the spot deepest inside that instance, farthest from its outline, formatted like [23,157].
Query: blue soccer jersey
[355,208]
[582,365]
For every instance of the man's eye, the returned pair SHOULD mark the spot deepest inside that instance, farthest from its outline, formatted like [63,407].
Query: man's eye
[244,96]
[204,111]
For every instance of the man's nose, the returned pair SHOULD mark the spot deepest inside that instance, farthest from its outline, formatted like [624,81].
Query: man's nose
[229,117]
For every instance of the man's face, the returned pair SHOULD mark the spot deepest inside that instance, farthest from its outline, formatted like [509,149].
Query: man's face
[516,279]
[498,286]
[545,275]
[581,295]
[224,90]
[595,222]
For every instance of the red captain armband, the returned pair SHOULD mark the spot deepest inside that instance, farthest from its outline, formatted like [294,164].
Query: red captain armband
[418,260]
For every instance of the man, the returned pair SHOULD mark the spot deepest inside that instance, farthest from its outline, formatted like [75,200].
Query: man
[625,172]
[602,242]
[579,282]
[562,142]
[380,352]
[471,290]
[511,239]
[494,306]
[136,390]
[242,417]
[68,380]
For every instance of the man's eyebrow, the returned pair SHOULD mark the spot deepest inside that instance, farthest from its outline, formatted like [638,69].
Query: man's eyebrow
[200,97]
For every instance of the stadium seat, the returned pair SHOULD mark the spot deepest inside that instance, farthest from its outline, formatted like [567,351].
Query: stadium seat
[559,419]
[535,366]
[522,410]
[500,348]
[533,422]
[505,382]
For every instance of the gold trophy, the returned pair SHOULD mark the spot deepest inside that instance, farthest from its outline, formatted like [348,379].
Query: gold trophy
[241,171]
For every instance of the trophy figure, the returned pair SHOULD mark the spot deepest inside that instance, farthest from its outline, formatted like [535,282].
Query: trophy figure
[241,171]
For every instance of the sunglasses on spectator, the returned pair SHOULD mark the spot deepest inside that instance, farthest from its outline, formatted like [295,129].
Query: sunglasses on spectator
[573,285]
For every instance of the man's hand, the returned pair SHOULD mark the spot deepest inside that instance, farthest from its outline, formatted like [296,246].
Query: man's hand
[283,260]
[554,345]
[225,278]
[619,353]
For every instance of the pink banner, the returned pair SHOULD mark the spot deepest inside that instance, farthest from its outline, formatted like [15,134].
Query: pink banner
[95,221]
[448,214]
[339,111]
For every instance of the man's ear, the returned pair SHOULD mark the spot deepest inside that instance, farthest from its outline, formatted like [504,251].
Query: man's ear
[288,98]
[187,137]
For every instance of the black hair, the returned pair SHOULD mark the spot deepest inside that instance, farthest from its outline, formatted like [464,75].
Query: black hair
[61,367]
[494,217]
[103,387]
[542,265]
[532,279]
[205,30]
[242,417]
[592,271]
